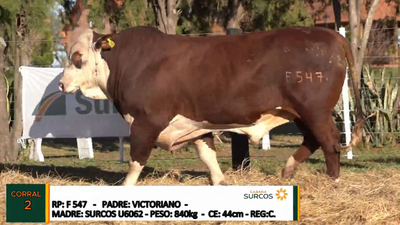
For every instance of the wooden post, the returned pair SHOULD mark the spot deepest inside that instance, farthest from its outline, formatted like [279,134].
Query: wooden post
[239,142]
[240,151]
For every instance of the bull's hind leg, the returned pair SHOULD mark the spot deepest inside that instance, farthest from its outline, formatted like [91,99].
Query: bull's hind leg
[328,136]
[143,136]
[307,148]
[331,146]
[206,150]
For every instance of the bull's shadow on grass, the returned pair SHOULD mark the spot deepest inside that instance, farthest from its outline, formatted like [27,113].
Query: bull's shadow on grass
[342,163]
[89,174]
[61,156]
[367,159]
[389,160]
[70,144]
[284,145]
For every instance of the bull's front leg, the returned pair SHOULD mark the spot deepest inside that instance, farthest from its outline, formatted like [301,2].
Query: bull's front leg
[207,153]
[143,135]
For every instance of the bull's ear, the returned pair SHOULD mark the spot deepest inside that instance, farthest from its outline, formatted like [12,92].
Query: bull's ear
[105,42]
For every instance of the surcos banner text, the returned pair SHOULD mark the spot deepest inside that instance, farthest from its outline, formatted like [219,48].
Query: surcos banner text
[49,113]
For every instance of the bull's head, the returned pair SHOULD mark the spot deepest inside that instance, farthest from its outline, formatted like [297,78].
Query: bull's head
[86,70]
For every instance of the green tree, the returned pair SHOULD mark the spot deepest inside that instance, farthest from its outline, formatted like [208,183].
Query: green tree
[198,16]
[22,21]
[5,21]
[270,14]
[251,15]
[136,13]
[44,51]
[130,13]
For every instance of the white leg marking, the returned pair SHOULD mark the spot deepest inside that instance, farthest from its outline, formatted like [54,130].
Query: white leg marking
[291,165]
[209,157]
[134,171]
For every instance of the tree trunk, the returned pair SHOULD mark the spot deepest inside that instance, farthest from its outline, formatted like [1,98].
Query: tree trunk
[396,45]
[354,14]
[167,15]
[358,43]
[4,127]
[26,52]
[235,14]
[16,128]
[21,58]
[396,106]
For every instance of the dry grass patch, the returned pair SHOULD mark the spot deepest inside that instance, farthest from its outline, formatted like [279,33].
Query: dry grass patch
[360,198]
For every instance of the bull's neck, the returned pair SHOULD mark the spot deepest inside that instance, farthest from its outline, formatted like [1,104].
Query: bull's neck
[108,85]
[102,78]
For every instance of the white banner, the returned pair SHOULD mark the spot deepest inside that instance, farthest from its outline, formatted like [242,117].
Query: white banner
[171,203]
[49,113]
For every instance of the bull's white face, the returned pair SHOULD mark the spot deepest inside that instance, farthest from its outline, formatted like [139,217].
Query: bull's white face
[85,70]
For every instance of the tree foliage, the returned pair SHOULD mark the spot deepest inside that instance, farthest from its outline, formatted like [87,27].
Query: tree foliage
[44,51]
[131,13]
[270,14]
[31,19]
[35,12]
[200,15]
[136,13]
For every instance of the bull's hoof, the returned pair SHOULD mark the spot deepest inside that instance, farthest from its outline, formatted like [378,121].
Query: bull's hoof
[127,183]
[333,176]
[220,183]
[287,172]
[335,182]
[223,183]
[175,174]
[335,179]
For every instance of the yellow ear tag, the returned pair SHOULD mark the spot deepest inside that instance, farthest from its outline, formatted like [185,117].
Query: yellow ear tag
[110,42]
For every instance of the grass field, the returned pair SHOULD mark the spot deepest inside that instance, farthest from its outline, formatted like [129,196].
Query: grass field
[368,192]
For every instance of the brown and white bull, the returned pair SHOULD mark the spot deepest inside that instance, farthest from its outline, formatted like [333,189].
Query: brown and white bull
[174,89]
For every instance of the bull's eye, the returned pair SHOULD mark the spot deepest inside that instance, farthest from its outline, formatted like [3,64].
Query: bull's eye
[77,59]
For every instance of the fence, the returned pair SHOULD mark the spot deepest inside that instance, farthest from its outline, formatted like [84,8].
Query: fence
[380,81]
[379,88]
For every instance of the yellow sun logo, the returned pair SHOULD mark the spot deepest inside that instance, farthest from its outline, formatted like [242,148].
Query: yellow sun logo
[281,194]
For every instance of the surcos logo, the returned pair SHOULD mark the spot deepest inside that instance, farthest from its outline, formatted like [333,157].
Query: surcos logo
[258,195]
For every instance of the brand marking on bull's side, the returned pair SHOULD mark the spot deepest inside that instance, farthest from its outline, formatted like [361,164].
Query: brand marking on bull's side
[301,76]
[298,75]
[288,74]
[286,50]
[309,76]
[320,76]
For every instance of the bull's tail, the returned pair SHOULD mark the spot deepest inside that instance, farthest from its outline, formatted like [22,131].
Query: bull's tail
[359,126]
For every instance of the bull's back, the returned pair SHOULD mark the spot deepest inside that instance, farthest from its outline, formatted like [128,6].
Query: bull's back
[250,74]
